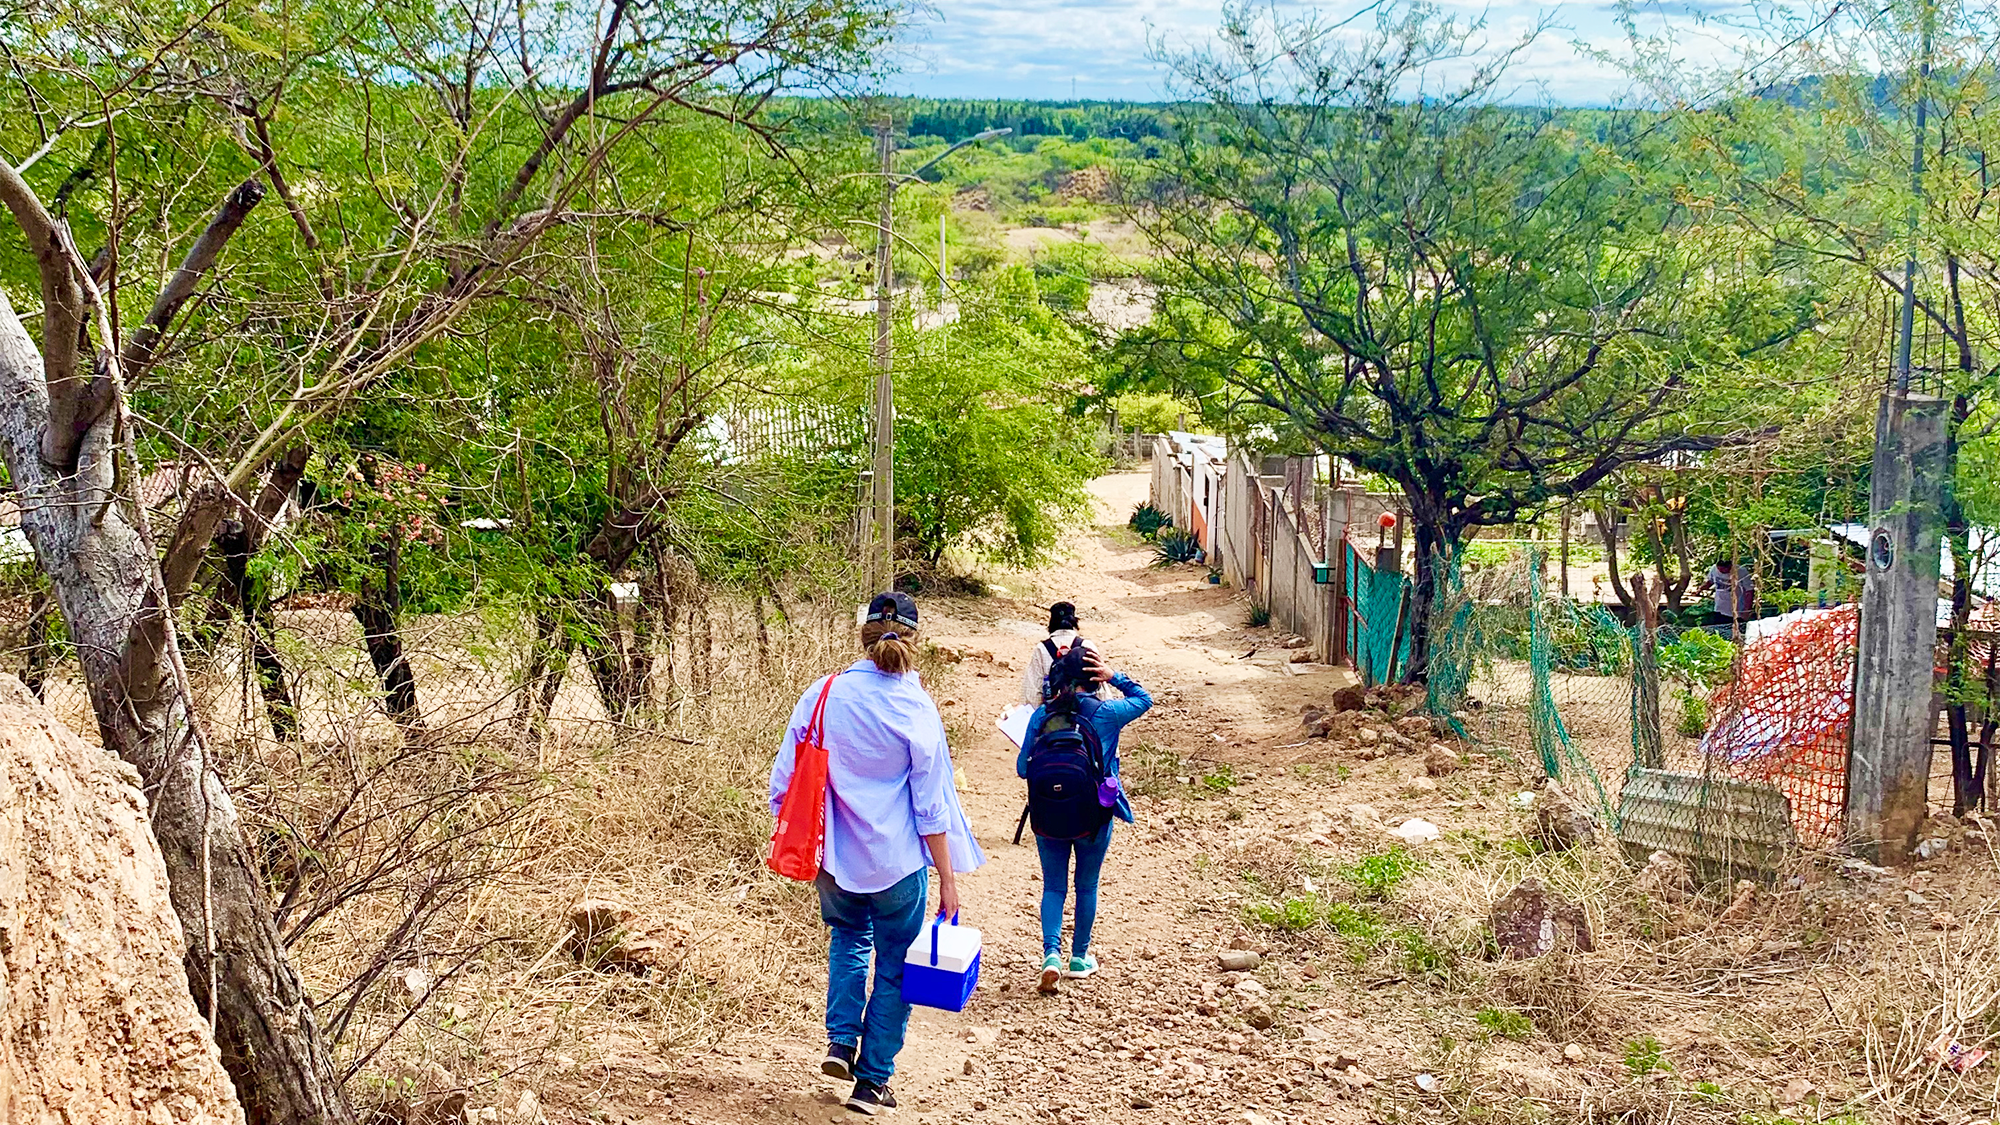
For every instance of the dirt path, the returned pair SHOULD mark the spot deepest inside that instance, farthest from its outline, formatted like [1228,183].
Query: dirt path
[1158,1035]
[1374,1000]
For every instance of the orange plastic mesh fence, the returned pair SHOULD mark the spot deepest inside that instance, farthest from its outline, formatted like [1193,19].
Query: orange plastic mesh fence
[1785,717]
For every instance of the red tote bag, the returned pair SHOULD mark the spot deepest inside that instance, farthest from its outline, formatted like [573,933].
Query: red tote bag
[795,844]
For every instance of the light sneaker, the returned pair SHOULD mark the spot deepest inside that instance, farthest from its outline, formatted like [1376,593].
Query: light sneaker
[1082,968]
[1052,971]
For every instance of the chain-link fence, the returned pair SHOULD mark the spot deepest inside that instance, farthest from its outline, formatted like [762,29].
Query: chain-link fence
[1728,748]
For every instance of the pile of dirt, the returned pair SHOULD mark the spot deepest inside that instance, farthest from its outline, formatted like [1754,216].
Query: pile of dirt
[1376,723]
[96,1023]
[1089,185]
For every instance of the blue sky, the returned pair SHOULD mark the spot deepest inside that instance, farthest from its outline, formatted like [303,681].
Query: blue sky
[1103,48]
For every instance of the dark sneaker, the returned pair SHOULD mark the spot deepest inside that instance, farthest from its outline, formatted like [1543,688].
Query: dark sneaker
[839,1062]
[870,1099]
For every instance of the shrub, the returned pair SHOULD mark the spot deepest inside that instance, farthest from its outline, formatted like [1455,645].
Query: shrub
[1697,657]
[1148,520]
[1174,546]
[1693,722]
[1643,1056]
[1260,616]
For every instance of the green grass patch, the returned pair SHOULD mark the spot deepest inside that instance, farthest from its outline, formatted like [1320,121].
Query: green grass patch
[1505,1023]
[1376,876]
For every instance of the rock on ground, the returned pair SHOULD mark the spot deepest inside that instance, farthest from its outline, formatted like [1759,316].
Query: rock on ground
[1533,920]
[96,1023]
[1563,822]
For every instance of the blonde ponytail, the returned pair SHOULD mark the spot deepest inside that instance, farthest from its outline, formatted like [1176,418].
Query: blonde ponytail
[892,647]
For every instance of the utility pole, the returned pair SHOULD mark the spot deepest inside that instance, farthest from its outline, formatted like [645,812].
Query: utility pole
[1888,761]
[884,548]
[880,554]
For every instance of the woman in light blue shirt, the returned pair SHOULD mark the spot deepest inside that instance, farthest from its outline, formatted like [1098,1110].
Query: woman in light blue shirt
[891,813]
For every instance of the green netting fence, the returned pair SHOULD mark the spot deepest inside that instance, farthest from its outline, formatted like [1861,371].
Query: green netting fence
[1508,661]
[1681,738]
[1378,624]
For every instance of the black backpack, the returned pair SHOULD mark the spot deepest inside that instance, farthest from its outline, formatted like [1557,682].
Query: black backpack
[1065,769]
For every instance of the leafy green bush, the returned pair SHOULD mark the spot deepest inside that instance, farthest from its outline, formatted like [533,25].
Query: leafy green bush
[1148,520]
[1693,722]
[1696,657]
[1589,640]
[1260,616]
[1174,546]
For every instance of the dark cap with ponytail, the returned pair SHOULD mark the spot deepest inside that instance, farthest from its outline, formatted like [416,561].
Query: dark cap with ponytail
[889,632]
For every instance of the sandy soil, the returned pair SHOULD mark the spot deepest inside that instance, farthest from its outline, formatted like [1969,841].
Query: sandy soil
[1147,1040]
[1241,809]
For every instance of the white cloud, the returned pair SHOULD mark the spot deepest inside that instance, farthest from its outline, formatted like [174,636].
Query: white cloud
[1105,48]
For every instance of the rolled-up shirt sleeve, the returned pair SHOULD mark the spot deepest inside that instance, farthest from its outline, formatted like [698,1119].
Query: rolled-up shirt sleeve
[930,775]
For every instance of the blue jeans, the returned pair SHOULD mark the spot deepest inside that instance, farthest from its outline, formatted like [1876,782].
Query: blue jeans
[885,923]
[1089,853]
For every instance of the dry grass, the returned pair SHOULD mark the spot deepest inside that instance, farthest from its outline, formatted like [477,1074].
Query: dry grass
[671,823]
[1686,1010]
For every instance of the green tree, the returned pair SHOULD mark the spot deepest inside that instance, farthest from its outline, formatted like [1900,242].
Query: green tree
[988,459]
[1465,299]
[423,161]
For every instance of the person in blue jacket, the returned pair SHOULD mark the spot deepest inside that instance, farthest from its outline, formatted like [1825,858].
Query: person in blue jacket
[1070,683]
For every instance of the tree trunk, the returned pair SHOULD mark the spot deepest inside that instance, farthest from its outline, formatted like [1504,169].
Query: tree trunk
[1648,744]
[1982,769]
[1965,794]
[1957,683]
[1608,528]
[379,607]
[619,664]
[40,646]
[547,663]
[252,601]
[1436,542]
[97,561]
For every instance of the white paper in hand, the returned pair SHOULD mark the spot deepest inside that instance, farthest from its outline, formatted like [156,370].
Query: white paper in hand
[1013,722]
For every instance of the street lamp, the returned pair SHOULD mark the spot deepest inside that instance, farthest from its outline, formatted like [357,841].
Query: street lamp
[885,391]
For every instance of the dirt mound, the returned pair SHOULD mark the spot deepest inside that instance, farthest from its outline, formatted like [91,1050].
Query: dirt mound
[1092,185]
[96,1024]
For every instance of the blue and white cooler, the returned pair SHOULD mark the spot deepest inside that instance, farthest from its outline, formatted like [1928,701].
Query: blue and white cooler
[942,967]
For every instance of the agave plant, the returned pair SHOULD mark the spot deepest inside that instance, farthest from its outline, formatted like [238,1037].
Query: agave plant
[1173,546]
[1148,520]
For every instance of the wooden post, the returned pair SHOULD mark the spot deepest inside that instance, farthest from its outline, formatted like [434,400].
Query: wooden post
[1648,742]
[1565,550]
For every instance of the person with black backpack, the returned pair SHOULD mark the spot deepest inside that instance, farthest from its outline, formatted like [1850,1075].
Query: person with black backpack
[1062,637]
[1070,762]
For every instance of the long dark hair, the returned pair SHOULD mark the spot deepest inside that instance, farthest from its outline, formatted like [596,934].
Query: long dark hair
[1066,680]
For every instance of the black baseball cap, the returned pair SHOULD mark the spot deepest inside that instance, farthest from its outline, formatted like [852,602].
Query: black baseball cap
[896,608]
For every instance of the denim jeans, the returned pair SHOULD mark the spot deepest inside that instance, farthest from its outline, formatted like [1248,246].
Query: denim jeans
[1089,853]
[884,923]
